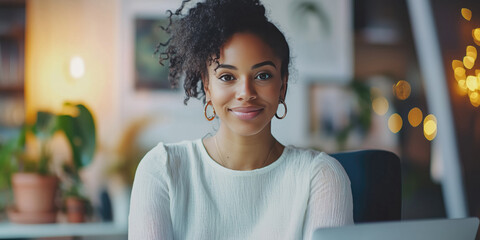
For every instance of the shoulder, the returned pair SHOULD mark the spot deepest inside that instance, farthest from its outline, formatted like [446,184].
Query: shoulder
[311,157]
[164,156]
[154,160]
[181,148]
[330,168]
[303,153]
[317,164]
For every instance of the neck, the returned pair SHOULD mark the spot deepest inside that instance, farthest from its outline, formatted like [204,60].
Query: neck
[245,152]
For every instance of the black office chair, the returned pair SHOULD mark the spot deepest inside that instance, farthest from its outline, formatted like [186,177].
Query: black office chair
[375,177]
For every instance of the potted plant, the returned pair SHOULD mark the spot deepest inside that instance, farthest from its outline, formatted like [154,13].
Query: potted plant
[7,151]
[31,180]
[81,135]
[76,204]
[34,187]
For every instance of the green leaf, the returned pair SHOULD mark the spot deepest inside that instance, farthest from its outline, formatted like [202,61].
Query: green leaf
[65,123]
[85,130]
[80,132]
[44,126]
[9,152]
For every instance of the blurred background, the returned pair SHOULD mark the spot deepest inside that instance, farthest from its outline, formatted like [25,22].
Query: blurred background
[365,74]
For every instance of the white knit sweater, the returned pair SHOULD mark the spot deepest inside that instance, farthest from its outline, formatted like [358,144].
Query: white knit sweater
[180,192]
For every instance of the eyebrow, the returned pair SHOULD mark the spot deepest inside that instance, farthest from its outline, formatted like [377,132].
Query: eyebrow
[263,64]
[253,67]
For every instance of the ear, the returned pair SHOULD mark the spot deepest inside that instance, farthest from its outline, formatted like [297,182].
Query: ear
[283,89]
[206,88]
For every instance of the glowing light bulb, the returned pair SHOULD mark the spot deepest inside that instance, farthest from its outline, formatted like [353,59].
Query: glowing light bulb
[402,90]
[471,52]
[77,67]
[415,116]
[456,64]
[476,34]
[468,62]
[380,105]
[430,127]
[472,83]
[467,14]
[460,73]
[474,99]
[462,87]
[395,123]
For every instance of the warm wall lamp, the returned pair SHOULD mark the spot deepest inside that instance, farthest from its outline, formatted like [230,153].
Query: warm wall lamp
[77,67]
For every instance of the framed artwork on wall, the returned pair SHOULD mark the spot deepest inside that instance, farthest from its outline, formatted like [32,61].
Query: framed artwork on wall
[149,73]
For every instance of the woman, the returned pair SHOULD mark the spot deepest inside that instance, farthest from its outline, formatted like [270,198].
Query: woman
[239,183]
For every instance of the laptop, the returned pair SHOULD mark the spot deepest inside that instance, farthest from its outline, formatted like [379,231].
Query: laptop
[438,229]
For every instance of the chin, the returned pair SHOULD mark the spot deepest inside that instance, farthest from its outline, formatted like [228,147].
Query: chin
[248,130]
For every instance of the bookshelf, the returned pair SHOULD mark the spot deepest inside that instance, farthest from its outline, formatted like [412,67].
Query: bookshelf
[12,52]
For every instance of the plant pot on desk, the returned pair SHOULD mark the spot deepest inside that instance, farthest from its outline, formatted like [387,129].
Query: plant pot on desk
[76,209]
[34,196]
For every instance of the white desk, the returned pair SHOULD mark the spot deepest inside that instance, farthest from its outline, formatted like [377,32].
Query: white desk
[12,230]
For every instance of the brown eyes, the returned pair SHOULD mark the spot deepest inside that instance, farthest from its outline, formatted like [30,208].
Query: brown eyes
[260,76]
[263,76]
[226,77]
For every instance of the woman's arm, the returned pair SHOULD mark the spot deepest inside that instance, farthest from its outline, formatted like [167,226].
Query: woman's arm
[330,203]
[150,202]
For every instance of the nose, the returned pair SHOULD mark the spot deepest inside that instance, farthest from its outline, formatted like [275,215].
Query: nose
[246,89]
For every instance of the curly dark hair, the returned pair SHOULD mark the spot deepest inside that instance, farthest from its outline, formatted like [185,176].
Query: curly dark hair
[196,39]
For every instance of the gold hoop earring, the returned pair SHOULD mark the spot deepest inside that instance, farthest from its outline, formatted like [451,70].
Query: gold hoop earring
[285,113]
[209,103]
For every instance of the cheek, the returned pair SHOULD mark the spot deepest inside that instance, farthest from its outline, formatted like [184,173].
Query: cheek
[220,95]
[273,92]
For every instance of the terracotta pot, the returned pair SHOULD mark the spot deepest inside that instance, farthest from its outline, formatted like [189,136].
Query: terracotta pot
[76,209]
[34,193]
[31,218]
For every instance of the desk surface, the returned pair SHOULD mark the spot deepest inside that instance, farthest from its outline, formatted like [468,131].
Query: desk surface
[12,230]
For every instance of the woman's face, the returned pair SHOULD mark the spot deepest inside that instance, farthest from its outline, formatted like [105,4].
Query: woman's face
[246,86]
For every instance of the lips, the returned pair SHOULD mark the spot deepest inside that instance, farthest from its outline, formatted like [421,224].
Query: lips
[246,113]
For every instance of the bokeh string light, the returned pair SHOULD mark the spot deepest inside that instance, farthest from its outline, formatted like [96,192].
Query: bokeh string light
[467,77]
[466,13]
[395,123]
[468,83]
[380,105]
[476,36]
[415,116]
[402,91]
[430,127]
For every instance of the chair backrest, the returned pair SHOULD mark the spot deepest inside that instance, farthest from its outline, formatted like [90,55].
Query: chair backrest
[375,177]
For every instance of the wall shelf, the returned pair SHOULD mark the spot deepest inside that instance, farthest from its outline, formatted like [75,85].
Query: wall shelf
[107,229]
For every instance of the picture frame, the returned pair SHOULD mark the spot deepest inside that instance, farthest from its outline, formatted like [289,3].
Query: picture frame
[149,74]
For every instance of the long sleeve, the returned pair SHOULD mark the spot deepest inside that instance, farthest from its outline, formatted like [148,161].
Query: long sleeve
[181,192]
[330,203]
[149,216]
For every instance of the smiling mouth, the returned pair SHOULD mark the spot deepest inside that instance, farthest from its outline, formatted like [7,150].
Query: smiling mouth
[246,113]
